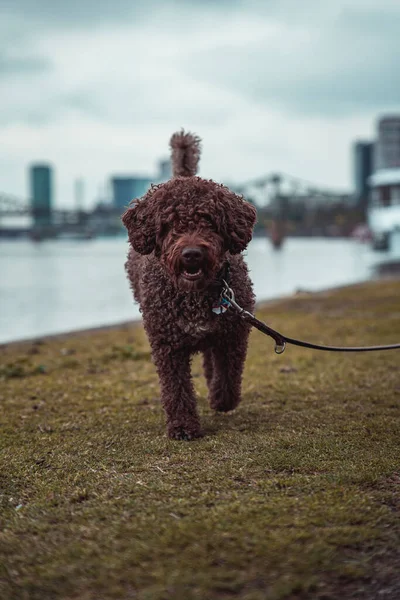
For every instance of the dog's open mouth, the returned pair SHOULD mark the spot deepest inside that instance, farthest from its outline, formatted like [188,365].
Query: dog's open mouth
[192,273]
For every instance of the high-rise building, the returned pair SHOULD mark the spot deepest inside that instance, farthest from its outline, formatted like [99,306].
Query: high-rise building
[363,167]
[79,191]
[126,189]
[41,192]
[164,170]
[387,154]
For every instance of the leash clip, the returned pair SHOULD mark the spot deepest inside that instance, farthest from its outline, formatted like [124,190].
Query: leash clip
[224,301]
[229,296]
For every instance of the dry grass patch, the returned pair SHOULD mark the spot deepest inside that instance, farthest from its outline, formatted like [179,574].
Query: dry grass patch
[293,495]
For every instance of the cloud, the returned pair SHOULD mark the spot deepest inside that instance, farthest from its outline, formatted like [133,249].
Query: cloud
[97,88]
[309,58]
[333,67]
[76,13]
[41,15]
[20,65]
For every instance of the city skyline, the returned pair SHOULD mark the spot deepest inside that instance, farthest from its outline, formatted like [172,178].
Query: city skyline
[98,90]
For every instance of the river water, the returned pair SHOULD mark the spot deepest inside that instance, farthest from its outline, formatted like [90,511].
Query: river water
[59,286]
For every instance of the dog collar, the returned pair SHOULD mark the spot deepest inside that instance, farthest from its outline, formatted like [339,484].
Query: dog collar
[221,305]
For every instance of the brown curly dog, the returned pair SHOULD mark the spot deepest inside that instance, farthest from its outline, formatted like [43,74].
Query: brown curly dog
[184,235]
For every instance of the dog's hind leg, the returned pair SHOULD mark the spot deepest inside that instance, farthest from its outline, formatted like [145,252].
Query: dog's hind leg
[177,393]
[208,366]
[228,358]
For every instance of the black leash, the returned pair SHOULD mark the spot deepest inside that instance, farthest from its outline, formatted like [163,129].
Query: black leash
[281,340]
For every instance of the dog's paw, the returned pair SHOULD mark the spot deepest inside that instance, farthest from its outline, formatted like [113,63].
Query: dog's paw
[223,402]
[182,432]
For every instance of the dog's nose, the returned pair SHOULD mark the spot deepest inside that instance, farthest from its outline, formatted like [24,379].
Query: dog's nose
[192,255]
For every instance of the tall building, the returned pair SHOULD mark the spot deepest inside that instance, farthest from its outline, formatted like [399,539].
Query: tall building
[41,193]
[387,155]
[164,170]
[125,189]
[79,191]
[363,167]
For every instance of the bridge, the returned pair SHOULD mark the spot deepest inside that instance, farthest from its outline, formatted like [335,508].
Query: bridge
[41,223]
[12,206]
[265,190]
[273,190]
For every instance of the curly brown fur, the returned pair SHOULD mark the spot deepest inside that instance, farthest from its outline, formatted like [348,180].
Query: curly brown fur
[185,154]
[181,234]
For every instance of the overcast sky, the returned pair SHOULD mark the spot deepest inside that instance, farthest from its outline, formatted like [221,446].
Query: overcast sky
[97,87]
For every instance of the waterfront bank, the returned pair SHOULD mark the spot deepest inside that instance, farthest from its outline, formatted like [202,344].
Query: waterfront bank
[98,503]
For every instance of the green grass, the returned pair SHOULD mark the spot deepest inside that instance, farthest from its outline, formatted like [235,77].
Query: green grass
[293,495]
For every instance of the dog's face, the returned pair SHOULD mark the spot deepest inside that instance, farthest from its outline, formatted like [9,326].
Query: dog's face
[190,224]
[192,255]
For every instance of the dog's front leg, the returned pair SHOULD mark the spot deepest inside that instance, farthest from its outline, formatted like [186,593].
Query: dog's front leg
[177,393]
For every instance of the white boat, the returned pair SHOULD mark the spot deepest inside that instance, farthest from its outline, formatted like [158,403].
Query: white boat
[384,207]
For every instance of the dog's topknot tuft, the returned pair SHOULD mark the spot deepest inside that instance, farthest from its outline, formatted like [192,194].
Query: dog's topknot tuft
[185,154]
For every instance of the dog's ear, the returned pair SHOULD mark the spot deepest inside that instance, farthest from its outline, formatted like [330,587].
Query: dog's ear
[238,223]
[139,221]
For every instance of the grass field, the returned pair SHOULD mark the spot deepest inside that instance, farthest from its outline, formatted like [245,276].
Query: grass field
[296,494]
